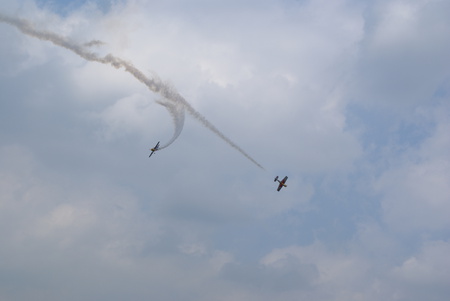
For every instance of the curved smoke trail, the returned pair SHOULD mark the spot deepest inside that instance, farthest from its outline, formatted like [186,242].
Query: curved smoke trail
[176,103]
[177,112]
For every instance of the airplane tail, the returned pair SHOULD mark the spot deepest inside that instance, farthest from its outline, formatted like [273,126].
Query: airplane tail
[276,178]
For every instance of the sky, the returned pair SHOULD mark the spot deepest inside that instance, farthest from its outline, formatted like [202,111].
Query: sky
[349,99]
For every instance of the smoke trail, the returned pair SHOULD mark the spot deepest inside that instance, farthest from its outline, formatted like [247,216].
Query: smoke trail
[176,101]
[93,43]
[153,84]
[177,112]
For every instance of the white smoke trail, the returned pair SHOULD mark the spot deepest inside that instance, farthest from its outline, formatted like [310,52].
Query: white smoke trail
[177,102]
[177,112]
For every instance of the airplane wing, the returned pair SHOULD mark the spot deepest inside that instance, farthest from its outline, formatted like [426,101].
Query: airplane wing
[154,149]
[279,187]
[282,183]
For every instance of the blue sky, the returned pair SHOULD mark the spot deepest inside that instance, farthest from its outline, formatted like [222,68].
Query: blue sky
[350,99]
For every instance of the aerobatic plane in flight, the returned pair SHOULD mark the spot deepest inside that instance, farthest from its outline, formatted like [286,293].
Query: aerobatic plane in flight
[154,149]
[282,182]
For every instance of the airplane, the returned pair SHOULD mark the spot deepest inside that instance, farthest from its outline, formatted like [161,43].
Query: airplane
[154,149]
[282,182]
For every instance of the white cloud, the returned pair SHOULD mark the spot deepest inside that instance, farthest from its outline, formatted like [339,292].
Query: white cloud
[415,190]
[347,99]
[428,268]
[129,115]
[402,59]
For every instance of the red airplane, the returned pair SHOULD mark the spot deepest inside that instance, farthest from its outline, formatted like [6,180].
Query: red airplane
[282,182]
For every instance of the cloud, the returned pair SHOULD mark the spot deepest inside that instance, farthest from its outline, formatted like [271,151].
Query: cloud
[400,66]
[424,274]
[126,116]
[289,275]
[350,100]
[415,189]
